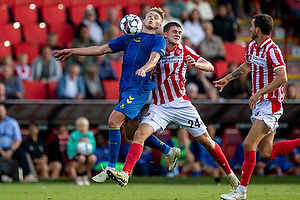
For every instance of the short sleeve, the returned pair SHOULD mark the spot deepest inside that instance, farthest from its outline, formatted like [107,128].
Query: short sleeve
[275,57]
[159,45]
[118,44]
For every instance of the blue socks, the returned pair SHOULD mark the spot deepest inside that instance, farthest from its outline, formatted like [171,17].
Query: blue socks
[114,144]
[153,142]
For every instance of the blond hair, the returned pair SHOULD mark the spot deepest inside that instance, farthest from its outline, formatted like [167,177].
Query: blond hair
[159,11]
[82,120]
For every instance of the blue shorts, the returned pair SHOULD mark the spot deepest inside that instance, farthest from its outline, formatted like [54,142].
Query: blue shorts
[131,101]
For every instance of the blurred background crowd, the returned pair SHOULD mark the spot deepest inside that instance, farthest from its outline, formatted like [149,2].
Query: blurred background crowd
[218,30]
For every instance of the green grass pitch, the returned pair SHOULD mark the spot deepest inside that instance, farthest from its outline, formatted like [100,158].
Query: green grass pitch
[140,188]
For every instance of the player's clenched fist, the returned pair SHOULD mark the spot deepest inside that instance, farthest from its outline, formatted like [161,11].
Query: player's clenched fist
[220,84]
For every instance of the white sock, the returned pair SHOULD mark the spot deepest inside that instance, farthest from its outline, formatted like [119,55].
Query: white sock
[127,176]
[230,175]
[241,189]
[170,153]
[111,168]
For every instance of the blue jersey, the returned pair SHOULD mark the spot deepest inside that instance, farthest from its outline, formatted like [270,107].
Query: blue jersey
[137,50]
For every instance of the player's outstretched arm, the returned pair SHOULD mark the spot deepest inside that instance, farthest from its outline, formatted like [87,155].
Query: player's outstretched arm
[62,55]
[241,70]
[154,58]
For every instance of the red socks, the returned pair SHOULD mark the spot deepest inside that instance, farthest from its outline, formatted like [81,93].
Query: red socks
[248,166]
[284,147]
[219,156]
[133,155]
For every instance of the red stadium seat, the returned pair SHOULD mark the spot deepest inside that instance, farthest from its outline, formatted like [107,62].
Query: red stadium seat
[56,2]
[135,2]
[65,34]
[133,10]
[221,68]
[231,138]
[52,89]
[111,88]
[95,3]
[54,15]
[9,33]
[25,14]
[234,52]
[5,50]
[30,49]
[112,2]
[34,90]
[76,13]
[6,2]
[27,2]
[4,15]
[34,34]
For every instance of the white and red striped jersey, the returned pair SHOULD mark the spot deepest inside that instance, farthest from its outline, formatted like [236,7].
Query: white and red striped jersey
[264,60]
[170,79]
[24,73]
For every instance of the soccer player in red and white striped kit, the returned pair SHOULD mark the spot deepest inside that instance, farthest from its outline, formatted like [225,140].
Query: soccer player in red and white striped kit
[171,104]
[268,71]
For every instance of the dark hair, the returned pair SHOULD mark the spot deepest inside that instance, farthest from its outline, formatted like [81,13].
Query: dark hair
[264,22]
[170,24]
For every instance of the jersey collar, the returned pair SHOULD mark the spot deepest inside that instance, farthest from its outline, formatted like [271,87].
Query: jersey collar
[264,42]
[175,47]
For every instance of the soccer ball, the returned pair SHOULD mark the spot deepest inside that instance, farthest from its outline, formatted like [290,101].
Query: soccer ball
[84,148]
[131,24]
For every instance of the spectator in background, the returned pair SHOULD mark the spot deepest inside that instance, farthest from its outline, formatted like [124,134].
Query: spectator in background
[168,18]
[38,153]
[106,70]
[292,91]
[82,39]
[2,93]
[186,161]
[22,69]
[90,20]
[193,28]
[93,84]
[239,88]
[208,165]
[45,68]
[212,47]
[192,90]
[203,7]
[296,160]
[109,34]
[13,84]
[80,164]
[203,82]
[71,85]
[10,142]
[144,10]
[6,60]
[112,14]
[223,24]
[57,150]
[177,9]
[52,41]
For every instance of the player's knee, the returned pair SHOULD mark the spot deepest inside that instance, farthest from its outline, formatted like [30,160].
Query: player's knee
[138,136]
[265,155]
[248,145]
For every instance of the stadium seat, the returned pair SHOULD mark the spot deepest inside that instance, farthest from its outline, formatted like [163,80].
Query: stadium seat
[25,15]
[221,68]
[6,2]
[231,138]
[117,67]
[76,13]
[136,2]
[54,15]
[111,88]
[295,133]
[95,3]
[27,2]
[30,49]
[9,33]
[4,13]
[34,90]
[65,34]
[133,10]
[56,2]
[34,34]
[112,2]
[234,52]
[52,89]
[5,50]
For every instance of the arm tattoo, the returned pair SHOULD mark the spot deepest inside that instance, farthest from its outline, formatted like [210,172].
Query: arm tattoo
[236,74]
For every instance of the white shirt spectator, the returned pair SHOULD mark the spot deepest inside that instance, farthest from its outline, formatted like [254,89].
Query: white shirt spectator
[203,7]
[194,31]
[71,89]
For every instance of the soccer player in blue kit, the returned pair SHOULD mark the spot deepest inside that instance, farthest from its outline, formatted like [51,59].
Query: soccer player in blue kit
[142,50]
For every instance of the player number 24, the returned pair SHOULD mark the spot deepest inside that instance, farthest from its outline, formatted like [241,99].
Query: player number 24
[195,123]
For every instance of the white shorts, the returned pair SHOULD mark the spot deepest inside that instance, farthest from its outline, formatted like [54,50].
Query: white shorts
[180,112]
[263,111]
